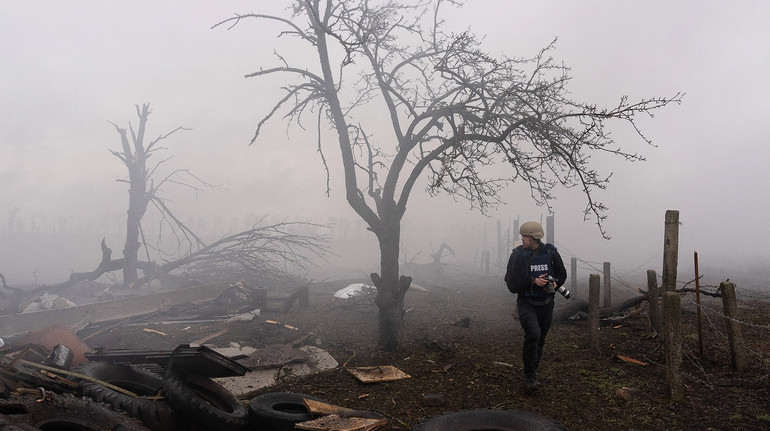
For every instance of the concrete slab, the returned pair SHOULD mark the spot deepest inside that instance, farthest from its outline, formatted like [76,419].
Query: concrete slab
[248,385]
[15,324]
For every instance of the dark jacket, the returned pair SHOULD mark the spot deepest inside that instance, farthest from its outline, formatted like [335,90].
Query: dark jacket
[519,273]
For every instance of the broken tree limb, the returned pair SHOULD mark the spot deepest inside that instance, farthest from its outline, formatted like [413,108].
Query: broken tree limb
[106,265]
[564,312]
[262,252]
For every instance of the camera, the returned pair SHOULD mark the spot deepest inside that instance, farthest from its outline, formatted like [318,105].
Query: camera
[561,289]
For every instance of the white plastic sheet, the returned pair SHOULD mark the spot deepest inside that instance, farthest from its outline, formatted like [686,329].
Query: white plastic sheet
[355,289]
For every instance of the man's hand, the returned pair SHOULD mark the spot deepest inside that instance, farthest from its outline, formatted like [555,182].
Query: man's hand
[541,281]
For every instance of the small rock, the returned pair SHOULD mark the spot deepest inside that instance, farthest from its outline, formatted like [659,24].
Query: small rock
[626,393]
[433,399]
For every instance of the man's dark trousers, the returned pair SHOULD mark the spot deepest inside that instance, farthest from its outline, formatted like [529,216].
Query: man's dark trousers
[535,320]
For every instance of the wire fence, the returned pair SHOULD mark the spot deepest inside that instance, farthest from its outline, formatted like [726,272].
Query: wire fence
[714,316]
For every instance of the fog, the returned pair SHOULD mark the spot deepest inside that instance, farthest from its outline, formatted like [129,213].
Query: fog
[73,67]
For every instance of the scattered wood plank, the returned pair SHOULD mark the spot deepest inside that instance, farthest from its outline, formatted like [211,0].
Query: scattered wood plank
[208,337]
[335,422]
[154,331]
[378,374]
[630,360]
[321,408]
[273,322]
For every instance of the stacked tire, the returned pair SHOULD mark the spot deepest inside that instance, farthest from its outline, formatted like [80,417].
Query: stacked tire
[189,401]
[65,412]
[489,420]
[279,411]
[154,413]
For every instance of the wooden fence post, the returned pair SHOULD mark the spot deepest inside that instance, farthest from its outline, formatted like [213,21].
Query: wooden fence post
[652,299]
[670,250]
[673,342]
[607,286]
[730,304]
[500,243]
[573,274]
[549,229]
[515,231]
[593,312]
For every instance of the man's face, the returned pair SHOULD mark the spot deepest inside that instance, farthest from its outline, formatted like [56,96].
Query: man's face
[529,242]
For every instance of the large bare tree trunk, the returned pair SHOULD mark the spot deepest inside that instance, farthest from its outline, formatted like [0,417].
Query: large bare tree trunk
[391,288]
[135,159]
[137,206]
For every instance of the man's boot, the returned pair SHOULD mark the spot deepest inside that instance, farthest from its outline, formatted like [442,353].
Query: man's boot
[530,381]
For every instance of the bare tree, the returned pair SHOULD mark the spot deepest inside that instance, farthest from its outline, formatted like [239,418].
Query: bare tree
[452,110]
[135,154]
[262,253]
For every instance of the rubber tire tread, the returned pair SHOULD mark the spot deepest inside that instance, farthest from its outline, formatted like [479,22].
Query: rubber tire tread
[155,414]
[8,424]
[204,402]
[489,420]
[279,411]
[67,412]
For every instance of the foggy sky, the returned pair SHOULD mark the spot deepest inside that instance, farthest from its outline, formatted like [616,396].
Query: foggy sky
[73,67]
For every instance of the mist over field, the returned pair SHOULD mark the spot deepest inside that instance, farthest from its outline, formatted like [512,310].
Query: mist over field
[74,68]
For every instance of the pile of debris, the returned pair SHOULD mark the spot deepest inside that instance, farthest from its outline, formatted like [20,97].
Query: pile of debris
[51,379]
[63,387]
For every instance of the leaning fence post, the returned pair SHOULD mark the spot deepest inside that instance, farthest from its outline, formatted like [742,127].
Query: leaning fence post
[652,299]
[730,304]
[673,342]
[607,286]
[593,312]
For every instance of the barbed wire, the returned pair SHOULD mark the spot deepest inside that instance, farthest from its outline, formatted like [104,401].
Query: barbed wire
[721,314]
[621,279]
[724,336]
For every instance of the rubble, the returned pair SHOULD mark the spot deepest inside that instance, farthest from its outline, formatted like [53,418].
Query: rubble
[154,386]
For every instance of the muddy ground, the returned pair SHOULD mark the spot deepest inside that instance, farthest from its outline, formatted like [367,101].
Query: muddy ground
[479,366]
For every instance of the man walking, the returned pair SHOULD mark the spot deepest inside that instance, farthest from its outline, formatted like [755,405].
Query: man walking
[534,271]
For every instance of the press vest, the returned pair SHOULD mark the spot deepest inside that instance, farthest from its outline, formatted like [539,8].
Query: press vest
[539,263]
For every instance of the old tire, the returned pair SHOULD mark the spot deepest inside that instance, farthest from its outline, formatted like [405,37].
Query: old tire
[65,412]
[204,402]
[8,424]
[154,414]
[279,411]
[489,420]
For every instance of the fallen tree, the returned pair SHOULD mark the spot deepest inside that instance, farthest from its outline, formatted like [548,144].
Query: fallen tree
[263,252]
[575,307]
[260,253]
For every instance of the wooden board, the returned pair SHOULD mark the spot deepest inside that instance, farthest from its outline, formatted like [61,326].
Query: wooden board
[384,373]
[337,423]
[322,408]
